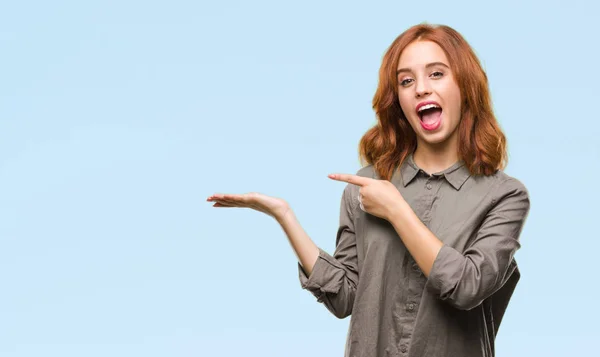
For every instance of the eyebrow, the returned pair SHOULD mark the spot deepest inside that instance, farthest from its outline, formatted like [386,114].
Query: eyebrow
[426,66]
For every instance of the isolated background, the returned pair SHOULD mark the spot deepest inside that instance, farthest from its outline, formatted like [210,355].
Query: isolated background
[119,118]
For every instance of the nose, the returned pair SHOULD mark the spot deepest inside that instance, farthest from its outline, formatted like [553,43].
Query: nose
[422,88]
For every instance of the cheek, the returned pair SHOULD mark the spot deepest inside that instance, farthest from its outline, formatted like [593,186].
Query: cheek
[405,106]
[457,105]
[453,96]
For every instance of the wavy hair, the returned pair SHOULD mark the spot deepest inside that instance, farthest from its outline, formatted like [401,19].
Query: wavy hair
[482,144]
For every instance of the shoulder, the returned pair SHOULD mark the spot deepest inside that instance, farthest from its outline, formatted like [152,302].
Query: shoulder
[507,184]
[367,171]
[510,190]
[499,182]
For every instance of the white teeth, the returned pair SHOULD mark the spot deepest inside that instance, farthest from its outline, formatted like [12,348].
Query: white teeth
[428,106]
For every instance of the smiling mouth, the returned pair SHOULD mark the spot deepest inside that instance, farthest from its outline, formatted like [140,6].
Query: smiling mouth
[431,115]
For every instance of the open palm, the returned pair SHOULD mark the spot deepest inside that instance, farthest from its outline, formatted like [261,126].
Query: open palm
[273,206]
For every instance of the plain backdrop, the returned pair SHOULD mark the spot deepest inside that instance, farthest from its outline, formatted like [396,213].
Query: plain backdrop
[119,118]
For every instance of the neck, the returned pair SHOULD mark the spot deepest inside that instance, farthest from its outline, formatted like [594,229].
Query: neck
[437,157]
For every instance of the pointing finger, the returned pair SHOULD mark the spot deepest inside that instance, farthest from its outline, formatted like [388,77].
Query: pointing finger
[353,179]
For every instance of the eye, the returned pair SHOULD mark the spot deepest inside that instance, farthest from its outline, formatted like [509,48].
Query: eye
[405,82]
[437,74]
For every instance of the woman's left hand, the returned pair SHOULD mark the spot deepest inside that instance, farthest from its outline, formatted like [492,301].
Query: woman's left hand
[379,197]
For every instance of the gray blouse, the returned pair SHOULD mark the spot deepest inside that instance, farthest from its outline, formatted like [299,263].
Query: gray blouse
[397,311]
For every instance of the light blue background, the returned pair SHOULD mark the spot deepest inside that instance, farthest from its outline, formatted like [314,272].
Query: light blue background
[119,118]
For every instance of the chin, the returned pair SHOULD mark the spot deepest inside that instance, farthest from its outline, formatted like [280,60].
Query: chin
[434,139]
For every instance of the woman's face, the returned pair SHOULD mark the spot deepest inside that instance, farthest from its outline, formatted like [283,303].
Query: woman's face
[425,77]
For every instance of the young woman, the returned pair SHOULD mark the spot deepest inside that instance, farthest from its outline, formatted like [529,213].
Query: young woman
[428,229]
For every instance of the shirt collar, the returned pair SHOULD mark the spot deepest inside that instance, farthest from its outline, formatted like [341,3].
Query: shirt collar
[456,174]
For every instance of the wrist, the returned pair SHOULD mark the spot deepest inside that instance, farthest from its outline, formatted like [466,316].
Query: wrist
[285,216]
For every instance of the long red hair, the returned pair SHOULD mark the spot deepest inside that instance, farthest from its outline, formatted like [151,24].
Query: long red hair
[482,144]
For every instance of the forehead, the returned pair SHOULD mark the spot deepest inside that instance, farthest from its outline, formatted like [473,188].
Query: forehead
[419,53]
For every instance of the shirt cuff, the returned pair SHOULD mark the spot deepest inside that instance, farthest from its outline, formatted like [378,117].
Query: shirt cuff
[324,277]
[445,272]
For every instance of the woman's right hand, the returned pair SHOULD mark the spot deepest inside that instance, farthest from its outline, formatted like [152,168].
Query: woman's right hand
[273,206]
[305,249]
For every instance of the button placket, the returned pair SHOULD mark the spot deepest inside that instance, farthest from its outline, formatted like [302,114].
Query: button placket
[429,197]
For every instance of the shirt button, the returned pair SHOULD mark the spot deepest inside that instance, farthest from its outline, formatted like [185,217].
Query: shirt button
[403,348]
[428,186]
[410,307]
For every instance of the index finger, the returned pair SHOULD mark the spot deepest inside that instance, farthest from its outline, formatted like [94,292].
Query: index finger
[353,179]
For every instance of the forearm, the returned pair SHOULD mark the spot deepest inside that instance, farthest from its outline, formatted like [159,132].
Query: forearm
[306,250]
[422,244]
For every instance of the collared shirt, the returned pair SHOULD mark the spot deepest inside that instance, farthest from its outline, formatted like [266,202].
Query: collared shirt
[395,309]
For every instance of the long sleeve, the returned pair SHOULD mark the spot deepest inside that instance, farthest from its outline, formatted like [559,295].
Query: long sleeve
[465,280]
[334,278]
